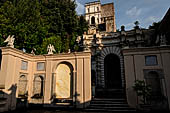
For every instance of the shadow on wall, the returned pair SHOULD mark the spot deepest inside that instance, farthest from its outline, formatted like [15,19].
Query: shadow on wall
[8,99]
[68,102]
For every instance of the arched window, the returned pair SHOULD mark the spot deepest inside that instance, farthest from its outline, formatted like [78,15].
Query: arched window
[38,86]
[93,20]
[22,86]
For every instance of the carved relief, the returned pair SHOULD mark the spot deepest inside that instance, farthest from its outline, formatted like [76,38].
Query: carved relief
[63,81]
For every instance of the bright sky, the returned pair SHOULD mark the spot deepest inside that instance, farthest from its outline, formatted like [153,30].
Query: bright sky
[129,11]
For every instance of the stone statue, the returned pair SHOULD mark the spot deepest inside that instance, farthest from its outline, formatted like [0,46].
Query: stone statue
[33,51]
[86,48]
[78,39]
[163,40]
[10,41]
[50,49]
[69,50]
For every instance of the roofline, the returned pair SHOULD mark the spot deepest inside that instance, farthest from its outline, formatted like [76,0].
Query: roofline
[107,3]
[92,2]
[164,18]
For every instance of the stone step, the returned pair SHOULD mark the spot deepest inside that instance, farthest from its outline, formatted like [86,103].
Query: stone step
[110,94]
[110,110]
[107,102]
[110,105]
[109,99]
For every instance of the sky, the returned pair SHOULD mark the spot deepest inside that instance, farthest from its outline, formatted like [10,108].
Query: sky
[129,11]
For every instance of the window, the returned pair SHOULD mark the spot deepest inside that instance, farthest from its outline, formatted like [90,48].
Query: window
[24,65]
[93,20]
[88,10]
[40,66]
[97,8]
[151,60]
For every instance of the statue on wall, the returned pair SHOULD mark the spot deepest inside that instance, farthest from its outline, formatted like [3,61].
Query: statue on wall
[163,40]
[33,51]
[10,41]
[50,49]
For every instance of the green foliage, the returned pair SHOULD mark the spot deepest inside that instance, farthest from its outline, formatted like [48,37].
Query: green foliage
[142,90]
[83,25]
[54,40]
[36,23]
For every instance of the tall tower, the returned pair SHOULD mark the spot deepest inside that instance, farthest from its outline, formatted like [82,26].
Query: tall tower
[93,12]
[108,17]
[101,16]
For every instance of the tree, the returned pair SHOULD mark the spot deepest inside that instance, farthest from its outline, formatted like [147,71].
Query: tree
[35,22]
[83,25]
[22,19]
[142,90]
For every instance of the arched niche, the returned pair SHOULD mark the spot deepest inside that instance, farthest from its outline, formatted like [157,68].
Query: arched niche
[38,86]
[153,79]
[22,85]
[64,81]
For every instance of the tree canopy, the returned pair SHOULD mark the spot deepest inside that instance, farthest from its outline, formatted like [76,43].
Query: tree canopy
[37,23]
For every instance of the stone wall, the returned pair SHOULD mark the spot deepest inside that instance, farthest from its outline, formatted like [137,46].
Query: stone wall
[137,67]
[34,79]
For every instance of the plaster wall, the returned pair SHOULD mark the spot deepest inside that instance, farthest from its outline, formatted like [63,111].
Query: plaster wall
[11,71]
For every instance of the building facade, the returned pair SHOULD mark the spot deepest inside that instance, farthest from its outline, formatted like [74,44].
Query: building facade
[150,64]
[49,80]
[120,58]
[100,16]
[107,68]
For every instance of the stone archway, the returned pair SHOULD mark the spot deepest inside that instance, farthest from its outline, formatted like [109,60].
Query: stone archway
[64,81]
[38,86]
[101,75]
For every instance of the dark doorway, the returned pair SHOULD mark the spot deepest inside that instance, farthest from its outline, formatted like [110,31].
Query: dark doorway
[112,72]
[154,81]
[93,20]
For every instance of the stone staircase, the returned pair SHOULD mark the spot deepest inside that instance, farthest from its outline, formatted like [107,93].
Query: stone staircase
[109,101]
